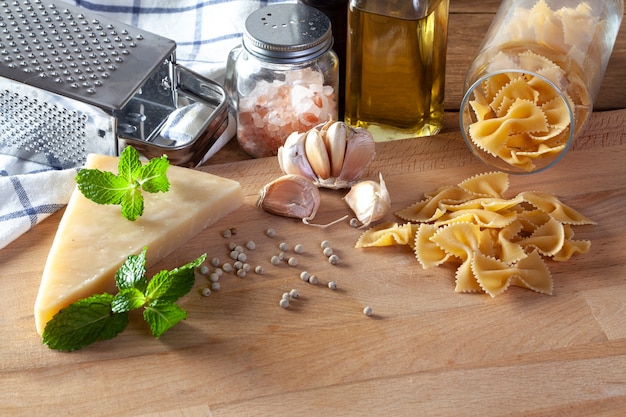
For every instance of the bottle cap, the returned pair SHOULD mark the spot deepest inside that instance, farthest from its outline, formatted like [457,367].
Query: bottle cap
[286,33]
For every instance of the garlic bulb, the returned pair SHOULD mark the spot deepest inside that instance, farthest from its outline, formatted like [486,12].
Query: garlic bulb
[369,200]
[333,155]
[290,196]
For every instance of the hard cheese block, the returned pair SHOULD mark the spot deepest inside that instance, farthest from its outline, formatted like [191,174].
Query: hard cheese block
[94,240]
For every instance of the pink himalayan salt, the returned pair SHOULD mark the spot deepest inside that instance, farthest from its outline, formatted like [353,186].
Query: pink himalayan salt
[273,110]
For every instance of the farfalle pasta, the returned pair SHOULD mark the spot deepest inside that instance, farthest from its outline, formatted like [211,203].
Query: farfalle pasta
[532,85]
[495,241]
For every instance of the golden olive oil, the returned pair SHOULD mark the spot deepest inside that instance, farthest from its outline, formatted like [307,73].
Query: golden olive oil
[395,70]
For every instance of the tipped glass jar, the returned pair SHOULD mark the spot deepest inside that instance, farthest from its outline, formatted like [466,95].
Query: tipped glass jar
[283,77]
[395,67]
[532,85]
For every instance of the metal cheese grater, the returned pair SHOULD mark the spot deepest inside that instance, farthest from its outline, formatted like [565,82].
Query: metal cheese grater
[73,83]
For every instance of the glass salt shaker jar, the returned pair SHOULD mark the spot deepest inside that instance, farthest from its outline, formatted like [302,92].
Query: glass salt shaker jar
[283,78]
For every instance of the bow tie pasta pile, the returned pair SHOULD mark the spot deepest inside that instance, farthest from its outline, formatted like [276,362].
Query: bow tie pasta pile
[496,241]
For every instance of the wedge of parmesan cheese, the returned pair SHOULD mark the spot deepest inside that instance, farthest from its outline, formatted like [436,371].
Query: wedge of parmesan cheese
[93,241]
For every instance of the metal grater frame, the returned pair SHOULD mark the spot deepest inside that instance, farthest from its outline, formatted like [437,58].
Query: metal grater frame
[73,83]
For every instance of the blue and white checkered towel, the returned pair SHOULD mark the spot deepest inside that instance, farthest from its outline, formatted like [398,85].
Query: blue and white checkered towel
[204,30]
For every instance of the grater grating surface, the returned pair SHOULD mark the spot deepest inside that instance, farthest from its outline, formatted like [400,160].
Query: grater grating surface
[59,48]
[73,83]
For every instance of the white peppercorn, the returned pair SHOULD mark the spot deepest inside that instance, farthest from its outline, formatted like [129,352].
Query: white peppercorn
[270,232]
[204,270]
[283,246]
[328,251]
[313,280]
[215,286]
[304,276]
[332,285]
[292,261]
[215,262]
[259,269]
[227,267]
[299,248]
[251,245]
[294,293]
[325,244]
[367,310]
[333,259]
[227,233]
[284,303]
[206,291]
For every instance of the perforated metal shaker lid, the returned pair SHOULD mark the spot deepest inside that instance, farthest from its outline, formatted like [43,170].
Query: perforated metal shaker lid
[285,33]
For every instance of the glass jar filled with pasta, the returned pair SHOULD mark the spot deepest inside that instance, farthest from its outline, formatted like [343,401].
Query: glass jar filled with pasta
[284,76]
[531,87]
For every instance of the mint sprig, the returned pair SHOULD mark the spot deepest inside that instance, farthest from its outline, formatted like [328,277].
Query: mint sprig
[104,316]
[104,187]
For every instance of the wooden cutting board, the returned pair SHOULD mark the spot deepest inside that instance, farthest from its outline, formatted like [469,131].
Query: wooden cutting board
[426,350]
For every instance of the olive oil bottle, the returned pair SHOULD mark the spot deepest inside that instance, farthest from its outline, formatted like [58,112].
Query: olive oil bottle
[395,67]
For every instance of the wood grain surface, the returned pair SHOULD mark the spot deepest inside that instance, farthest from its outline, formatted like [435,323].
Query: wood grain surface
[426,350]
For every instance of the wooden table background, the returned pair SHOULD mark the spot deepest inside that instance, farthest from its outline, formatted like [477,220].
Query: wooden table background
[427,351]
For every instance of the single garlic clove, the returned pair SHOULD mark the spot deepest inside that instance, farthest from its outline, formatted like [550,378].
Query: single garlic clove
[370,201]
[290,196]
[335,137]
[316,154]
[292,156]
[360,150]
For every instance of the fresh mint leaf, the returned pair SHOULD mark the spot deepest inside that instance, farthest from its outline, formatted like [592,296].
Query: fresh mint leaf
[162,316]
[132,204]
[129,166]
[132,273]
[83,323]
[171,285]
[102,187]
[128,299]
[153,178]
[126,187]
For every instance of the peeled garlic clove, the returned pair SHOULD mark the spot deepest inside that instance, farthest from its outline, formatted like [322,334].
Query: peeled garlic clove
[316,154]
[369,200]
[290,196]
[360,150]
[292,156]
[335,137]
